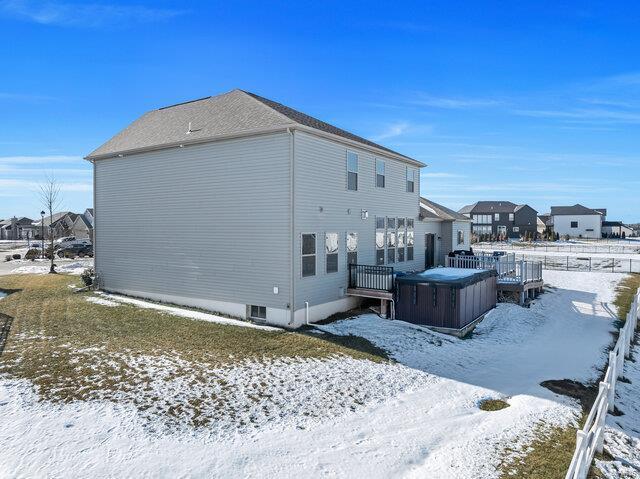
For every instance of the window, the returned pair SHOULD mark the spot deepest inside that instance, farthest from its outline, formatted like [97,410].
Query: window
[410,239]
[391,223]
[380,244]
[380,174]
[308,255]
[496,216]
[352,171]
[258,312]
[516,229]
[460,237]
[391,246]
[511,216]
[481,219]
[401,223]
[502,230]
[331,251]
[352,248]
[411,180]
[574,224]
[482,229]
[380,220]
[401,236]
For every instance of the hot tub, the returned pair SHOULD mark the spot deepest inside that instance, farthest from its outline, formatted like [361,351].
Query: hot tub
[450,300]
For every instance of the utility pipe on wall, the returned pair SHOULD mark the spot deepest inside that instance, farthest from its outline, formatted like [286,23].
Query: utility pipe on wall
[306,312]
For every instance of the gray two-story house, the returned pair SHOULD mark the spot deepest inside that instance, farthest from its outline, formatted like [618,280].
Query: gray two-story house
[269,207]
[501,219]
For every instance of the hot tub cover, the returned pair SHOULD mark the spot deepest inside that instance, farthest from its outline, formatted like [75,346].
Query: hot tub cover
[454,277]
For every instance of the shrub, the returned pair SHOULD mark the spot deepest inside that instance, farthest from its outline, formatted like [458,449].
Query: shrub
[17,256]
[8,258]
[87,276]
[32,254]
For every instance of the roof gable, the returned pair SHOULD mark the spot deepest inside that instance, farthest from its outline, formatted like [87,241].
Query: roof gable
[485,207]
[431,209]
[576,209]
[207,119]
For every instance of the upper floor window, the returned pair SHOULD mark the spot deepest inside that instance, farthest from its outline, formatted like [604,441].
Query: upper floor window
[574,224]
[308,254]
[331,250]
[482,219]
[496,216]
[380,176]
[411,180]
[352,171]
[511,217]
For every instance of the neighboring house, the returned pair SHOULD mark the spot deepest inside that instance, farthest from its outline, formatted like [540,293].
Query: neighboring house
[611,228]
[501,219]
[445,231]
[16,229]
[577,221]
[82,228]
[60,223]
[271,207]
[545,224]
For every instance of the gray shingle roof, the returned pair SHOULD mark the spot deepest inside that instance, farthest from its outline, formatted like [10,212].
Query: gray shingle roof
[484,207]
[576,209]
[431,209]
[232,113]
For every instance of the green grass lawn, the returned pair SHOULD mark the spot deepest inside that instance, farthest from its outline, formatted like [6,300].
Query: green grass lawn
[71,349]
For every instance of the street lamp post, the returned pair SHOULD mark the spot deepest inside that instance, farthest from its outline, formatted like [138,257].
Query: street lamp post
[42,213]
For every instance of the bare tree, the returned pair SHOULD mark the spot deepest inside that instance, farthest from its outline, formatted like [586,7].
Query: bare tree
[51,199]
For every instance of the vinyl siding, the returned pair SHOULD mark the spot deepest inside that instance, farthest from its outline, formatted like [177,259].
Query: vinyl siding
[206,222]
[323,204]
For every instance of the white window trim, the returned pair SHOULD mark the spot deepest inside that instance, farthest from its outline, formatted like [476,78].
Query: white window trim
[357,172]
[303,255]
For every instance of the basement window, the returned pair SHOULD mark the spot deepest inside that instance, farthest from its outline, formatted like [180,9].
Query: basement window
[258,312]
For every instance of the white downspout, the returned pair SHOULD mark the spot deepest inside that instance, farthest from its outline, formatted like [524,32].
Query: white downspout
[292,300]
[306,312]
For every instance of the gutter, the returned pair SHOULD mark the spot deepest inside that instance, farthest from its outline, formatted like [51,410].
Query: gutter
[261,131]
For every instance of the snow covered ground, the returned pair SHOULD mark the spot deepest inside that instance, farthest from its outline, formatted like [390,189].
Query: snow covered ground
[622,436]
[337,417]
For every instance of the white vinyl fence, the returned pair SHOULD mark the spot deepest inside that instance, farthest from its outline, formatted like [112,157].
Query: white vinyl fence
[590,439]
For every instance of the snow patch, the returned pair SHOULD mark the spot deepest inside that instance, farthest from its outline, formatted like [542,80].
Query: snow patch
[186,313]
[101,301]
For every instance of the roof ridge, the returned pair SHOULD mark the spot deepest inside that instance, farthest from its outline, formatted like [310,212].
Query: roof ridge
[257,98]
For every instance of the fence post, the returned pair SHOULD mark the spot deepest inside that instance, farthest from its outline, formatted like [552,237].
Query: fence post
[628,335]
[568,261]
[620,358]
[611,393]
[601,415]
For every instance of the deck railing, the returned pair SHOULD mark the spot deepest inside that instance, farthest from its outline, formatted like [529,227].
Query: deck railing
[508,268]
[590,439]
[379,278]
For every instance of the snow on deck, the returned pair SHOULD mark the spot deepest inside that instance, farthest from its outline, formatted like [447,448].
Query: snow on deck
[418,418]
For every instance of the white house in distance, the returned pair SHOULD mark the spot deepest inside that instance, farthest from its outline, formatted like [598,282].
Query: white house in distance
[276,205]
[578,221]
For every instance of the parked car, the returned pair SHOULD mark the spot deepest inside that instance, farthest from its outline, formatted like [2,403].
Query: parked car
[74,250]
[461,252]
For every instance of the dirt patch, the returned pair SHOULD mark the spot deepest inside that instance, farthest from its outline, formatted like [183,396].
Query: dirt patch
[575,389]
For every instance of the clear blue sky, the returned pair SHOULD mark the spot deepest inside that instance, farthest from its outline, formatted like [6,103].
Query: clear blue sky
[533,102]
